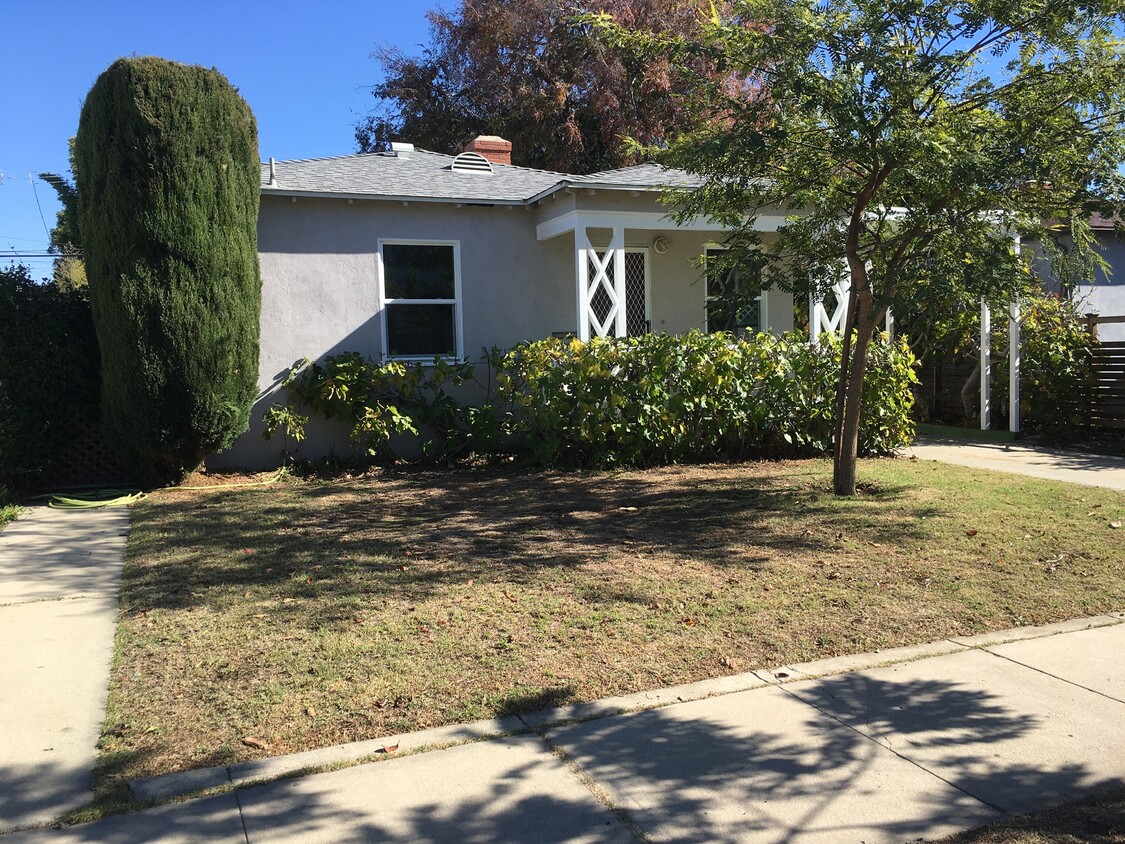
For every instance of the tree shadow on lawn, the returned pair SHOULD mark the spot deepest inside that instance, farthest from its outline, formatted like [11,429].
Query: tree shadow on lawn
[416,533]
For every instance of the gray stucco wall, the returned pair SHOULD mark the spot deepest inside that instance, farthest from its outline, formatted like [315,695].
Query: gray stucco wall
[320,291]
[1107,296]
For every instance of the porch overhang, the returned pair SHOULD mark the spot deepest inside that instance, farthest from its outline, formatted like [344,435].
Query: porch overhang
[578,220]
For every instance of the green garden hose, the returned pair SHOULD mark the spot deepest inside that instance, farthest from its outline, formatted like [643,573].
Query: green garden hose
[98,499]
[94,500]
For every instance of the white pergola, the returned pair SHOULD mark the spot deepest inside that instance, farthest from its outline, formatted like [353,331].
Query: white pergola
[821,321]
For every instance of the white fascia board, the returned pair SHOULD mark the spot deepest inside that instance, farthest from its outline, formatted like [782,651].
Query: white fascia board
[382,197]
[650,220]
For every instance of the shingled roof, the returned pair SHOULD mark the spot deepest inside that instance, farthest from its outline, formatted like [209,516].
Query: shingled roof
[640,176]
[428,176]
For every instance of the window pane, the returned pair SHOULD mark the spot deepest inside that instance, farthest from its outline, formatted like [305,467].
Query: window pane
[735,317]
[422,330]
[411,271]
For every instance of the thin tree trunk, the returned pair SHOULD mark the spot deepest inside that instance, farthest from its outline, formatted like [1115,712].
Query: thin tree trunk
[842,381]
[847,447]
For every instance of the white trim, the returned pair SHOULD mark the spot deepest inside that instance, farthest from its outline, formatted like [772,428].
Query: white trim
[651,220]
[383,301]
[381,197]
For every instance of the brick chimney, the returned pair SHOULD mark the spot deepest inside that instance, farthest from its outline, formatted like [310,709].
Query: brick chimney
[492,147]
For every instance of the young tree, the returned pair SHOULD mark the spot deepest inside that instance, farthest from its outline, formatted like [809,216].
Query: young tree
[531,71]
[66,239]
[168,189]
[908,139]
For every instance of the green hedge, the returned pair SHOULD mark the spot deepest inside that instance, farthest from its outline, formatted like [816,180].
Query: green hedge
[48,373]
[660,399]
[1056,377]
[639,401]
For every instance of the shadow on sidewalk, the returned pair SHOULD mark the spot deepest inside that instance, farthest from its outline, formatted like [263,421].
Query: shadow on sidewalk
[761,765]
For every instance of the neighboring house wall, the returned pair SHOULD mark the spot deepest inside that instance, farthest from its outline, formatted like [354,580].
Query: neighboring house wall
[1107,296]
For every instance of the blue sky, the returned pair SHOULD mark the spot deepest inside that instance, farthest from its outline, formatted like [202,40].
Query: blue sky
[304,68]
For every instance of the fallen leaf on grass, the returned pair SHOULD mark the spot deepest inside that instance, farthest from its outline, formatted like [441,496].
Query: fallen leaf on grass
[254,741]
[972,532]
[310,711]
[514,600]
[688,622]
[390,748]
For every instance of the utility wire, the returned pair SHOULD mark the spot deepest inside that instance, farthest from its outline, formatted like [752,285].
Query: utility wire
[43,219]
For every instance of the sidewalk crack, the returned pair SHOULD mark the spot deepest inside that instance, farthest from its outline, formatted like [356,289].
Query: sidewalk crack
[594,787]
[1052,676]
[875,741]
[241,816]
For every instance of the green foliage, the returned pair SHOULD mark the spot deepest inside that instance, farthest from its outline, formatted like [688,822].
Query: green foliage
[639,401]
[530,71]
[66,238]
[48,372]
[168,189]
[660,399]
[1055,373]
[903,140]
[378,402]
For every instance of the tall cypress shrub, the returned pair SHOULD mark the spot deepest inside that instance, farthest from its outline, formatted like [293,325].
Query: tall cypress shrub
[168,186]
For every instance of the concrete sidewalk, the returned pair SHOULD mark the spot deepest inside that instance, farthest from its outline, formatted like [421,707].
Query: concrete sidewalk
[1071,466]
[885,747]
[59,578]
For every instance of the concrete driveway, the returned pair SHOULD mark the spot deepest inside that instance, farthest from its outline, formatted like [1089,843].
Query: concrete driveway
[1070,466]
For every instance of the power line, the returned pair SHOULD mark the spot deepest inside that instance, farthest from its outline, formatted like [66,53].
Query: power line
[42,219]
[39,253]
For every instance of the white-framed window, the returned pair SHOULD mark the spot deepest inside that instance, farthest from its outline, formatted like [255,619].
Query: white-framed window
[725,309]
[420,293]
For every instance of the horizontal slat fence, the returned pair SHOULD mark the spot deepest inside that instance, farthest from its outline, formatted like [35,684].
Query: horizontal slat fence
[1107,405]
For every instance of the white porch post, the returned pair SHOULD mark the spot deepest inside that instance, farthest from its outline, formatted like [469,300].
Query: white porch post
[582,276]
[985,366]
[617,247]
[1014,358]
[890,325]
[1014,368]
[814,320]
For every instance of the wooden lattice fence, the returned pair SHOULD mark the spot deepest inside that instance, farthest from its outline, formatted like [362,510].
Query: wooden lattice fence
[85,459]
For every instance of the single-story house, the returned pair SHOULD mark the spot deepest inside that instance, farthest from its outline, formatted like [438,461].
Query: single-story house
[409,254]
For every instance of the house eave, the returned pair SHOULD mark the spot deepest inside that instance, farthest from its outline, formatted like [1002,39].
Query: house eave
[382,197]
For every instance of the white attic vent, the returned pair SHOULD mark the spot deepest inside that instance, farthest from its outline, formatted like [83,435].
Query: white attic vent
[471,162]
[402,150]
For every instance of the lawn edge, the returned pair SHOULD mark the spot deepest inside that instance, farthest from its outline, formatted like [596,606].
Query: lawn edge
[200,782]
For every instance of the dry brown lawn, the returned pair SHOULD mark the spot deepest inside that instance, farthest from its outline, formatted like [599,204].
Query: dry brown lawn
[333,609]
